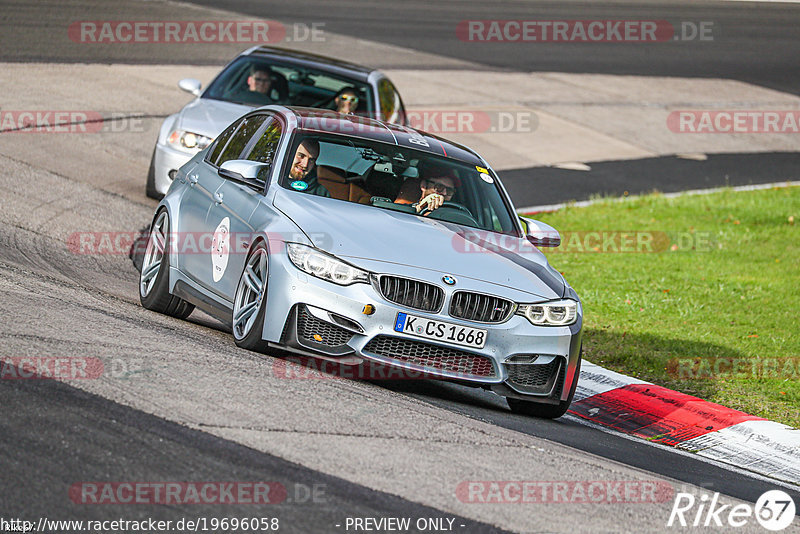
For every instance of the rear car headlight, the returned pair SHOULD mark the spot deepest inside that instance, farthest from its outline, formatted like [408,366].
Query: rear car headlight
[188,141]
[554,313]
[323,265]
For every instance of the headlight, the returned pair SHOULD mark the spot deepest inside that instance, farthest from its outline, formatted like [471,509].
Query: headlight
[554,313]
[325,266]
[188,141]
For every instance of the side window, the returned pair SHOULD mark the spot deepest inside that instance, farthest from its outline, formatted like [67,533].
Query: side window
[265,148]
[391,107]
[222,140]
[239,140]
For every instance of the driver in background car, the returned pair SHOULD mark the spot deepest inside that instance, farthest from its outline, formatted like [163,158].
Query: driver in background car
[346,100]
[437,186]
[303,172]
[259,88]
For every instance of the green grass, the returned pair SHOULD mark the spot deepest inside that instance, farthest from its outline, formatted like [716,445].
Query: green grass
[722,285]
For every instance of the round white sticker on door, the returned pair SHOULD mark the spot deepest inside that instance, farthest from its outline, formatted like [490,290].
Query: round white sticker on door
[220,249]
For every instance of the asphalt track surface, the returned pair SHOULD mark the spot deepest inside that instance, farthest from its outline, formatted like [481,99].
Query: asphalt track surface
[87,430]
[57,434]
[758,43]
[753,42]
[667,174]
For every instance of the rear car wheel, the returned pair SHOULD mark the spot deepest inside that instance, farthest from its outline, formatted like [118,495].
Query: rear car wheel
[154,279]
[249,308]
[547,411]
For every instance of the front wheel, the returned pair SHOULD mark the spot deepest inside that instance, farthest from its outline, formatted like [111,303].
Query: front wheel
[154,279]
[248,304]
[546,411]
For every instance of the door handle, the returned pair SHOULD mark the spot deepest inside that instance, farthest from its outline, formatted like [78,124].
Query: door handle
[218,198]
[192,180]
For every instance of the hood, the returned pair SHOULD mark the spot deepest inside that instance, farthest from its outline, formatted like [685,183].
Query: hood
[364,236]
[209,117]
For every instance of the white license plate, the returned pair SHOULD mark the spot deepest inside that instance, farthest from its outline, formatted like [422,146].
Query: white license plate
[440,331]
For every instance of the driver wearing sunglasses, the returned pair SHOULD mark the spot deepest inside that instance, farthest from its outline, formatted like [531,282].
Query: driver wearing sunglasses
[346,100]
[437,186]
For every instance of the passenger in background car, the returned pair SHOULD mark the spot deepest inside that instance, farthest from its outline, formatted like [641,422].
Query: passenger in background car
[346,100]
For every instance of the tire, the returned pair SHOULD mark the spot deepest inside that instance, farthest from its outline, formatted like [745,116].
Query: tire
[154,279]
[150,188]
[546,411]
[249,307]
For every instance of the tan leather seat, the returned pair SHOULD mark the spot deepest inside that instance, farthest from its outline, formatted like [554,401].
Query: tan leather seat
[333,180]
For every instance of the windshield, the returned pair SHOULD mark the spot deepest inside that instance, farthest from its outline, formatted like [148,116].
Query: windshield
[398,179]
[255,81]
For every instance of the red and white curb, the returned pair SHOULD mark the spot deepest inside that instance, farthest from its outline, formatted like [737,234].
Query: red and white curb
[709,430]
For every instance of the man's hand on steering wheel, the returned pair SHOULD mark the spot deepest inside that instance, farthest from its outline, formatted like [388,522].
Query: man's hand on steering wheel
[430,203]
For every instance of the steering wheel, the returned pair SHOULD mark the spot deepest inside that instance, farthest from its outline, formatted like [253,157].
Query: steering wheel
[448,204]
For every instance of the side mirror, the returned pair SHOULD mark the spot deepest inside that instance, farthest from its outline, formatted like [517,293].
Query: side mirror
[190,85]
[541,234]
[244,171]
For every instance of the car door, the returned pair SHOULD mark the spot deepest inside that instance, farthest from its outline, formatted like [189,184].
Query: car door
[205,183]
[194,205]
[234,202]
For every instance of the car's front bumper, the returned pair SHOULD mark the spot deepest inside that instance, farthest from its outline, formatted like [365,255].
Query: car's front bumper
[300,306]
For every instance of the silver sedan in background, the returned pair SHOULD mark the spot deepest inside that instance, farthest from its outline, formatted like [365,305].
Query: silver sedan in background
[259,76]
[353,240]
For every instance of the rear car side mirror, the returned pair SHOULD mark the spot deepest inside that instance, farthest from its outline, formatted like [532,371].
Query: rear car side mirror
[190,85]
[540,234]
